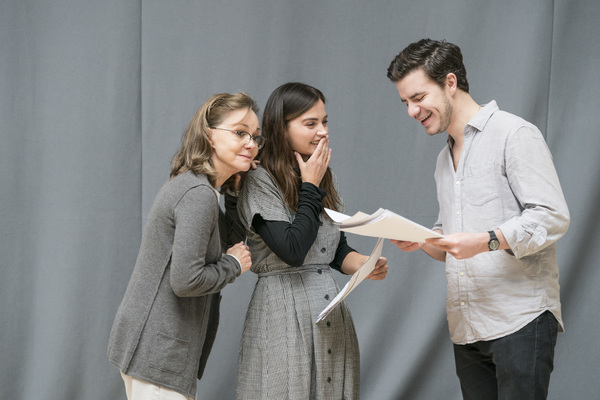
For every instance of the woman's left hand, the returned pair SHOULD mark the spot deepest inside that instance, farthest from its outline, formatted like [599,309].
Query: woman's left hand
[380,271]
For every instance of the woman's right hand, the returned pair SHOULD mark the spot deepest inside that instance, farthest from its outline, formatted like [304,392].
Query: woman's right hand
[313,169]
[242,253]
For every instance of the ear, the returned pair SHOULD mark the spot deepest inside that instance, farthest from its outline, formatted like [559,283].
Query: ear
[451,83]
[209,138]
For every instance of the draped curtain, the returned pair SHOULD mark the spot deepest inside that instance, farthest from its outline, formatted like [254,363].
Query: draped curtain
[94,98]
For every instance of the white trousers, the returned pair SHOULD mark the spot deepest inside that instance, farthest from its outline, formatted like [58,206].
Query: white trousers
[138,389]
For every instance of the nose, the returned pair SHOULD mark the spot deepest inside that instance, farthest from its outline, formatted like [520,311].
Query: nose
[413,110]
[323,131]
[250,144]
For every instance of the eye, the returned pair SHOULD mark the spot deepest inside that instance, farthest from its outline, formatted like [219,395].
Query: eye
[241,133]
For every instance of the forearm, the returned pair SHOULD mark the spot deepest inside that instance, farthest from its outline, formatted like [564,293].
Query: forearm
[463,245]
[352,262]
[292,241]
[341,252]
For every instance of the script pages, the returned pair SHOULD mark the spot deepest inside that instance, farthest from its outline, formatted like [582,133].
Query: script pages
[357,278]
[383,224]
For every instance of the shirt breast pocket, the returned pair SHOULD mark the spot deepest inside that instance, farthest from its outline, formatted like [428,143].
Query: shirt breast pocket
[480,186]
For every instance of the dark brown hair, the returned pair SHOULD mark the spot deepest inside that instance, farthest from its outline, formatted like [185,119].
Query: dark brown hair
[436,58]
[286,103]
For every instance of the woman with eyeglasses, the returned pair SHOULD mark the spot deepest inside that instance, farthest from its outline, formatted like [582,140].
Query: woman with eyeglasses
[166,324]
[284,354]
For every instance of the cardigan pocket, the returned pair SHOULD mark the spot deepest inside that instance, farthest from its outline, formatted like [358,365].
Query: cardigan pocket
[169,354]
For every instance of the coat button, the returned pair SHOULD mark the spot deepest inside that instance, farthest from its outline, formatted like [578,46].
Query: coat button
[328,323]
[319,271]
[323,250]
[326,297]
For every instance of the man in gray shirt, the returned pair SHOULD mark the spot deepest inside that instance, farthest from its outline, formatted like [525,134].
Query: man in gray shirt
[501,210]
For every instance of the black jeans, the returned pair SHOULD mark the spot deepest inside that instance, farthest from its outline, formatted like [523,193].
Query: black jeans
[515,367]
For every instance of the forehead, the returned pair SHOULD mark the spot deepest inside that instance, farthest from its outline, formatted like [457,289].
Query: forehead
[243,116]
[415,82]
[316,111]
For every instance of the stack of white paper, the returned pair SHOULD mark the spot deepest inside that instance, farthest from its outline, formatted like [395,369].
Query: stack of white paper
[382,223]
[357,278]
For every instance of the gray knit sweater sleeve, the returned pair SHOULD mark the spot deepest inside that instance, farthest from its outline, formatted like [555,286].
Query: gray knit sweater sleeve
[196,217]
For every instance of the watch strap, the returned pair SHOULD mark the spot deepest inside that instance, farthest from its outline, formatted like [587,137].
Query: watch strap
[494,243]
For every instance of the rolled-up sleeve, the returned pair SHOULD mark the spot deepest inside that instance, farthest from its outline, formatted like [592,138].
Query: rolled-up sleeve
[533,179]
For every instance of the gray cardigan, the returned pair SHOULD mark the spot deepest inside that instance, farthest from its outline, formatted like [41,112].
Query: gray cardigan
[166,324]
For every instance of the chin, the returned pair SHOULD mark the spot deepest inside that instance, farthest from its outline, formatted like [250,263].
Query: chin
[246,167]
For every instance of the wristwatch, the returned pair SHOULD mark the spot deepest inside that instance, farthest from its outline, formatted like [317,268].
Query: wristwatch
[493,244]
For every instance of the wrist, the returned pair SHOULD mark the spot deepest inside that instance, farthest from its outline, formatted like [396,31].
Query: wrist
[493,243]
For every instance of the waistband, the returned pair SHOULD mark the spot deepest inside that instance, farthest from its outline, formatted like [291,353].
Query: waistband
[294,270]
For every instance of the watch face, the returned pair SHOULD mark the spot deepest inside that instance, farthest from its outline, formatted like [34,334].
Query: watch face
[493,245]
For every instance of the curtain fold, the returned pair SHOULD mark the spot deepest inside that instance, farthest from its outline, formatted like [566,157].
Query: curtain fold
[94,98]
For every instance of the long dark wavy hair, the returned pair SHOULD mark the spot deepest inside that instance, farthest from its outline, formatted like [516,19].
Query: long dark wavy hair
[286,103]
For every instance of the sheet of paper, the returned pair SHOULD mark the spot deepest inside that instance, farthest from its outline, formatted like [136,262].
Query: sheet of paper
[357,278]
[382,223]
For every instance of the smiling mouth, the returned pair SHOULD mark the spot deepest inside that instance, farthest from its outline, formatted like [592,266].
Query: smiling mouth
[426,118]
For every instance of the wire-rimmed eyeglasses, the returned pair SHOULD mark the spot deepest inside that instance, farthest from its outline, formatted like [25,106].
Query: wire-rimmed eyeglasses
[258,140]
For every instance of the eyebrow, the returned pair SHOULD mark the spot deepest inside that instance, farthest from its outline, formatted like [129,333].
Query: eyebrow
[244,125]
[412,97]
[314,118]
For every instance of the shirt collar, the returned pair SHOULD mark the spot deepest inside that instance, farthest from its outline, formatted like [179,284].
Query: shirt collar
[481,118]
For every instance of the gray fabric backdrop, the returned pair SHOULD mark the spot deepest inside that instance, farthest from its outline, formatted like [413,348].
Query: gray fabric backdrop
[94,97]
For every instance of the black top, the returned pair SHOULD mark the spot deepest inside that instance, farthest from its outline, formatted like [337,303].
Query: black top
[292,241]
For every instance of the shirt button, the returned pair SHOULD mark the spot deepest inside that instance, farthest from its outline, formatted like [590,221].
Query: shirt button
[326,297]
[462,274]
[457,183]
[323,250]
[462,303]
[458,213]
